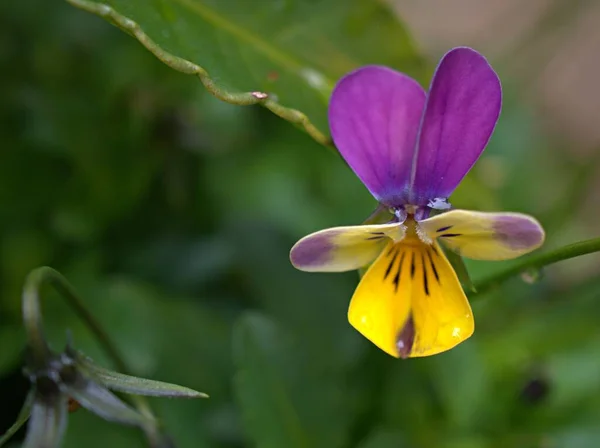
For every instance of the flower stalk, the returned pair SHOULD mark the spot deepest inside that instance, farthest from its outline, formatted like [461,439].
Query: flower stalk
[536,262]
[32,315]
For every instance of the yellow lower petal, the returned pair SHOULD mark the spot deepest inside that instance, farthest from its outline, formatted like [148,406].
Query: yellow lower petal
[411,287]
[381,303]
[440,310]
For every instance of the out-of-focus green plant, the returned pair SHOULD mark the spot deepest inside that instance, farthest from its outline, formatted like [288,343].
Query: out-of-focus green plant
[174,214]
[58,378]
[283,55]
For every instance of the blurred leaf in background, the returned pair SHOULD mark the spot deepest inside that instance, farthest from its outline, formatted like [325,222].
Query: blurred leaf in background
[173,214]
[294,51]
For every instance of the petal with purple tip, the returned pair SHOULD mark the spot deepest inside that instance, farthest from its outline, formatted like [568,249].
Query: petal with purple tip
[342,249]
[374,116]
[485,236]
[462,109]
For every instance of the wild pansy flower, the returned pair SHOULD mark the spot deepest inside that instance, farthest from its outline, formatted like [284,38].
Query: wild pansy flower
[411,150]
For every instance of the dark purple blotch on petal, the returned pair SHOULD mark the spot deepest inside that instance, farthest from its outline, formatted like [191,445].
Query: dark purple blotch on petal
[406,338]
[517,233]
[313,251]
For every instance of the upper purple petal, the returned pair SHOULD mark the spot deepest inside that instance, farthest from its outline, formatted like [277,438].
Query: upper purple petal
[374,115]
[462,109]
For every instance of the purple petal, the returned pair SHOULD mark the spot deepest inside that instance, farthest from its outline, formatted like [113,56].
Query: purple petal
[462,108]
[374,115]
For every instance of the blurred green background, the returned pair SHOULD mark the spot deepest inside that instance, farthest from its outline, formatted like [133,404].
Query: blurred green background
[173,213]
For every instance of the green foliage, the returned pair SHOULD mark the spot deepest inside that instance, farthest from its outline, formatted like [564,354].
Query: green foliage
[280,53]
[172,213]
[270,385]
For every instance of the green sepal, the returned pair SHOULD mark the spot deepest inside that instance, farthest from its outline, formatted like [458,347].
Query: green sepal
[95,397]
[134,385]
[460,268]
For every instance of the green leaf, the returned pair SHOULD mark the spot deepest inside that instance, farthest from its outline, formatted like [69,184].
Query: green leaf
[459,376]
[382,438]
[99,400]
[21,418]
[134,385]
[286,399]
[577,436]
[12,350]
[285,55]
[409,402]
[313,308]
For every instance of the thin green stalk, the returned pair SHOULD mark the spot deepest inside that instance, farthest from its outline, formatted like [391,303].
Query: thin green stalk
[21,419]
[32,318]
[538,261]
[32,315]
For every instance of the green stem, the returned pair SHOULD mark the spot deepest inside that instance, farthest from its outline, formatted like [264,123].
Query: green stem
[32,318]
[32,315]
[537,262]
[21,419]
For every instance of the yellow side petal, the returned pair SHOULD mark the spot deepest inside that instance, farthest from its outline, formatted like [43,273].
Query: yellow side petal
[441,312]
[410,302]
[343,248]
[485,236]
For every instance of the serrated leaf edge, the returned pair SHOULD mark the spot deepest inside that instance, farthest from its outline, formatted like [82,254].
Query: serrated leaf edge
[182,65]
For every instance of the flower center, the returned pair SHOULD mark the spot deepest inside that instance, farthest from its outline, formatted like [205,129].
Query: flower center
[415,235]
[420,212]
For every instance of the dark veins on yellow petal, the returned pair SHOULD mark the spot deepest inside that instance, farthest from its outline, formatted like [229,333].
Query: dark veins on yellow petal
[425,281]
[447,235]
[398,273]
[394,252]
[376,236]
[433,268]
[430,271]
